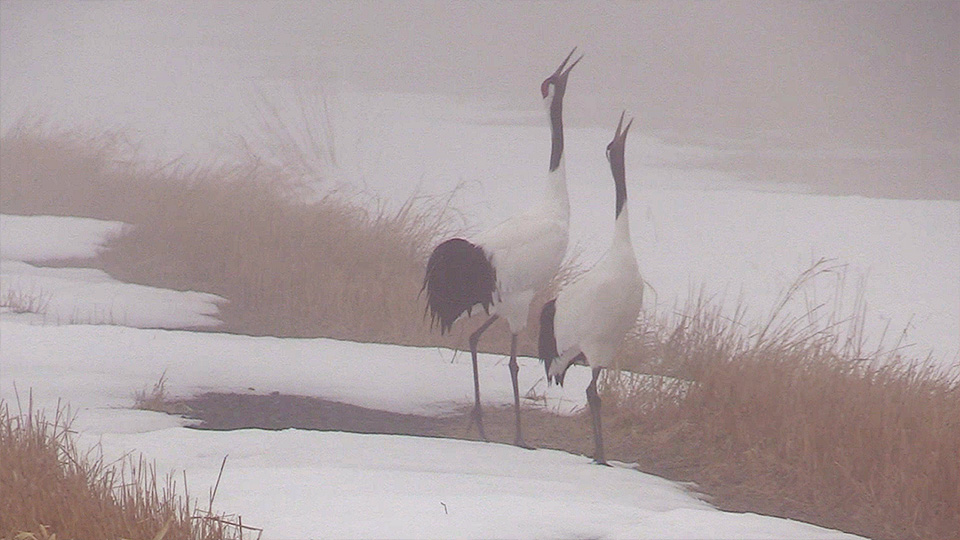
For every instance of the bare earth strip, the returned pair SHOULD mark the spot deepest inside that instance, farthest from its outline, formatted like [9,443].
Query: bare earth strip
[226,411]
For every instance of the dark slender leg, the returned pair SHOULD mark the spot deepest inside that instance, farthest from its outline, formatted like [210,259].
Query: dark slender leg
[593,399]
[514,369]
[474,340]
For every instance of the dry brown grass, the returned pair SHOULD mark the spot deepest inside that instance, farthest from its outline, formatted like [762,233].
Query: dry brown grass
[289,268]
[157,399]
[20,301]
[68,173]
[48,489]
[793,418]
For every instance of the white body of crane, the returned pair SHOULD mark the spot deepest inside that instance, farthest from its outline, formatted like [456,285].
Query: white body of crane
[526,251]
[590,317]
[596,311]
[502,268]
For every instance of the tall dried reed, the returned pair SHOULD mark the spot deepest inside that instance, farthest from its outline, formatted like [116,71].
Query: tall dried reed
[288,266]
[48,489]
[793,417]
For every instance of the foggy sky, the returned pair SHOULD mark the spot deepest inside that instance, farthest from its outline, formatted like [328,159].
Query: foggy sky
[853,73]
[871,69]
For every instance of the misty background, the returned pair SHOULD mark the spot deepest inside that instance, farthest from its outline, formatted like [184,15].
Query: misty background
[842,97]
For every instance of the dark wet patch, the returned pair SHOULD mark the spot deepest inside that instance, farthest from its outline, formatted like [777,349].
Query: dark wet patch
[218,411]
[228,411]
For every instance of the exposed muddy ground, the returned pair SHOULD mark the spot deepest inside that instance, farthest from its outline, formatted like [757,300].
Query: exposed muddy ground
[277,411]
[219,411]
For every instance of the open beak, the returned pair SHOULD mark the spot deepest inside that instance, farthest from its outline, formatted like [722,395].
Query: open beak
[562,73]
[622,135]
[559,77]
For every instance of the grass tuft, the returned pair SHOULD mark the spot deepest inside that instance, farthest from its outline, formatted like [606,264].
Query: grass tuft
[792,417]
[289,267]
[158,399]
[19,301]
[48,489]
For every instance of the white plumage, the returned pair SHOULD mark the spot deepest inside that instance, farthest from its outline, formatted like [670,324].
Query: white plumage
[595,312]
[502,268]
[526,251]
[590,317]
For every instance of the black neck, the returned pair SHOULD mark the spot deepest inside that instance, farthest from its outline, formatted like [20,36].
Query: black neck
[556,128]
[619,176]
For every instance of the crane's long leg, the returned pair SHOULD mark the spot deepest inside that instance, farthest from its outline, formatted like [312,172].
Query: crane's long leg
[514,369]
[593,399]
[474,341]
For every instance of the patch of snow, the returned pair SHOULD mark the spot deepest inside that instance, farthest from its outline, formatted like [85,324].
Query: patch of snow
[90,296]
[37,239]
[84,295]
[66,361]
[300,484]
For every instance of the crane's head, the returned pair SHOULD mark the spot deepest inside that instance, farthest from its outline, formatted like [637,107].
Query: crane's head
[553,86]
[615,157]
[616,146]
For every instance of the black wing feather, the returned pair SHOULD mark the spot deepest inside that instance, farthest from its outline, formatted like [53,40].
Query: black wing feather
[459,276]
[547,343]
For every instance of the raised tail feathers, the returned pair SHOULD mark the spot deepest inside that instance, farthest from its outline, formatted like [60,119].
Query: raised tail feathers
[459,276]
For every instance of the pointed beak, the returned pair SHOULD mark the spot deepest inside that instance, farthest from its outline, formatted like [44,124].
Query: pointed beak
[566,73]
[621,135]
[563,71]
[559,77]
[564,63]
[569,69]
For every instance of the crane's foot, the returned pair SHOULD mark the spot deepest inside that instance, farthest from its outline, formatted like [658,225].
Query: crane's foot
[602,462]
[476,417]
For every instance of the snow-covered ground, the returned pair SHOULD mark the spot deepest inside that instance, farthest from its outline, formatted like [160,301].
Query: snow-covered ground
[85,295]
[410,380]
[302,484]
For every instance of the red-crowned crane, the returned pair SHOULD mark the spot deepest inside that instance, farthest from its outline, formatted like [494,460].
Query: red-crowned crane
[502,268]
[589,318]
